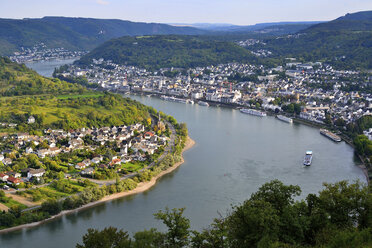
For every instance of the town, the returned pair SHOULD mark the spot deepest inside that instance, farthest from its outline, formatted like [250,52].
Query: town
[314,91]
[40,52]
[100,153]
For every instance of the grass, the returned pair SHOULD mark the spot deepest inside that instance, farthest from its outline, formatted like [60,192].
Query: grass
[45,193]
[132,167]
[86,95]
[52,192]
[81,188]
[12,203]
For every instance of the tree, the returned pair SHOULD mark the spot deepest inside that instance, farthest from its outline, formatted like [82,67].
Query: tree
[213,237]
[346,204]
[149,239]
[254,222]
[178,227]
[109,237]
[52,207]
[340,122]
[277,194]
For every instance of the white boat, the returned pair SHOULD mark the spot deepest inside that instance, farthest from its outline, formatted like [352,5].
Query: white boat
[175,99]
[284,118]
[330,135]
[308,158]
[203,103]
[253,112]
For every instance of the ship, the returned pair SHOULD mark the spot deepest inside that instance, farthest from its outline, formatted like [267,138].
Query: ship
[284,118]
[203,103]
[175,99]
[330,135]
[308,158]
[253,112]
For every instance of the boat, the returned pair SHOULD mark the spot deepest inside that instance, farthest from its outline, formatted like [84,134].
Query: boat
[284,118]
[253,112]
[308,158]
[168,98]
[203,103]
[330,135]
[175,99]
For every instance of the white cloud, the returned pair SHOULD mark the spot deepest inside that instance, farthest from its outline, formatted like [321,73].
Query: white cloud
[102,2]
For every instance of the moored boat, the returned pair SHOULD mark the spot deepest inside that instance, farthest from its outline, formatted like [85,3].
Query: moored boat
[203,103]
[284,118]
[253,112]
[330,135]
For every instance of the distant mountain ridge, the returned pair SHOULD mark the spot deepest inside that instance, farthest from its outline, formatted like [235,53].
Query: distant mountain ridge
[345,42]
[360,21]
[76,33]
[227,27]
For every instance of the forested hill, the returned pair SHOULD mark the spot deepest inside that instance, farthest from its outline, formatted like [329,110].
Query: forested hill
[154,52]
[360,21]
[76,33]
[58,104]
[17,80]
[345,42]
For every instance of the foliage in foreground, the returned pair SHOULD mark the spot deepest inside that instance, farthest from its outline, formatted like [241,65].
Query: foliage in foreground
[339,216]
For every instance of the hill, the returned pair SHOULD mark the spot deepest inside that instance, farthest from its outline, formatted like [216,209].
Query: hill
[345,42]
[16,80]
[76,33]
[154,52]
[58,104]
[360,21]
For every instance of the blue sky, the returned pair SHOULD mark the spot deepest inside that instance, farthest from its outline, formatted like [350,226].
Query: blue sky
[242,12]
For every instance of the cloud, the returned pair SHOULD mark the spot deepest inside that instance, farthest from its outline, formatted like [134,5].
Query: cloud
[102,2]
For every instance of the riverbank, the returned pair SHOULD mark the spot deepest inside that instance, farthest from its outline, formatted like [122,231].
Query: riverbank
[141,187]
[362,163]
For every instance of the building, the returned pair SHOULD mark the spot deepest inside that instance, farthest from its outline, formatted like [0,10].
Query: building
[31,120]
[35,173]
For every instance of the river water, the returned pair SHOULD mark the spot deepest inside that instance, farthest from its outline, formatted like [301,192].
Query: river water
[46,68]
[234,154]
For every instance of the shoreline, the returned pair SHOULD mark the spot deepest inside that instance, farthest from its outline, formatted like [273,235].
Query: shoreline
[362,165]
[141,187]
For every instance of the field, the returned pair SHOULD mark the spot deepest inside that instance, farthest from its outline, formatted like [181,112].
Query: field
[12,203]
[85,95]
[60,189]
[133,166]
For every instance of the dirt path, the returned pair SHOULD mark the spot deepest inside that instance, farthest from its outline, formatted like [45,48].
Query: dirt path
[23,200]
[3,207]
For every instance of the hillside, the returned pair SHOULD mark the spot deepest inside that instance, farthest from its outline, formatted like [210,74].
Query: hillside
[75,33]
[154,52]
[345,42]
[360,21]
[58,104]
[16,80]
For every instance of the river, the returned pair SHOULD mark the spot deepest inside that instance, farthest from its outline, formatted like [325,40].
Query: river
[234,154]
[46,68]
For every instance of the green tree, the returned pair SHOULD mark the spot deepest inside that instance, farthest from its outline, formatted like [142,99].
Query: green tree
[109,237]
[178,227]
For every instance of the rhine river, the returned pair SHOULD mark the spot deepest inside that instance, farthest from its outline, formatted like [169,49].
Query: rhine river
[233,156]
[46,68]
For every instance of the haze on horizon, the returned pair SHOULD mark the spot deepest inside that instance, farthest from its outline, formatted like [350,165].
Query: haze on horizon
[239,12]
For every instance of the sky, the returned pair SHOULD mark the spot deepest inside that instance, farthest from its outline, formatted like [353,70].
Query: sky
[239,12]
